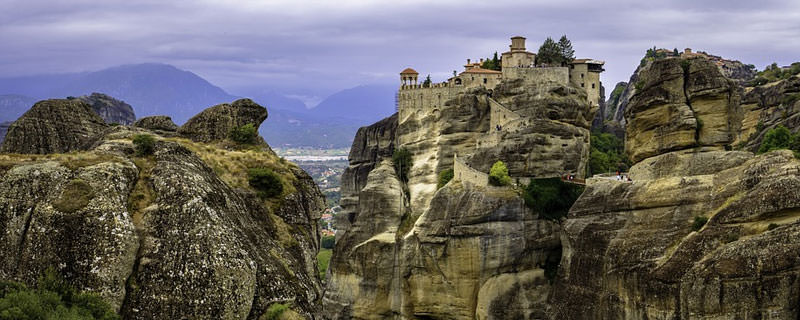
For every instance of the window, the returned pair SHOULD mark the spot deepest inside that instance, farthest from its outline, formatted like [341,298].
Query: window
[582,85]
[592,85]
[484,80]
[581,75]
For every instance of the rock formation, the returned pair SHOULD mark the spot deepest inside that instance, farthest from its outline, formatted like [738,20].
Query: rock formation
[702,231]
[176,234]
[408,250]
[3,129]
[216,123]
[156,123]
[53,126]
[110,109]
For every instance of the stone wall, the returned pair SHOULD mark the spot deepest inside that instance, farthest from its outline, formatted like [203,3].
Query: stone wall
[500,115]
[538,75]
[464,173]
[415,98]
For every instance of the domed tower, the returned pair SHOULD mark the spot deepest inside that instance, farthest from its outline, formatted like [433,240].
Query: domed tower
[408,77]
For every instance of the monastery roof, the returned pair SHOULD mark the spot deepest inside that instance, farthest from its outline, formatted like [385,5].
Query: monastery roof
[588,61]
[517,37]
[482,70]
[409,71]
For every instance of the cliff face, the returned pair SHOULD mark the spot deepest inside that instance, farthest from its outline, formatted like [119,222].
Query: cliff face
[3,129]
[408,250]
[110,109]
[767,106]
[681,103]
[176,234]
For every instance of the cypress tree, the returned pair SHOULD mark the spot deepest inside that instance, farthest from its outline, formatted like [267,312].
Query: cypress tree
[549,53]
[565,50]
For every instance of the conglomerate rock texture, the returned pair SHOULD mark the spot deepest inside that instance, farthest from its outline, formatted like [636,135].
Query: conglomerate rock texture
[156,123]
[175,234]
[53,126]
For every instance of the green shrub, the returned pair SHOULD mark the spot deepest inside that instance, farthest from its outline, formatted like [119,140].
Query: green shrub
[606,154]
[685,65]
[551,198]
[498,174]
[328,242]
[274,311]
[772,226]
[143,144]
[267,183]
[75,196]
[699,222]
[639,85]
[776,138]
[52,299]
[402,163]
[245,134]
[444,177]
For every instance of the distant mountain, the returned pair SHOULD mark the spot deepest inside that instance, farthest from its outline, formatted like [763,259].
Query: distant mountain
[161,89]
[368,103]
[12,106]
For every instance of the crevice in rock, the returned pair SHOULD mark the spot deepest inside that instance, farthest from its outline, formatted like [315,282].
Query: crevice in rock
[685,65]
[24,235]
[140,197]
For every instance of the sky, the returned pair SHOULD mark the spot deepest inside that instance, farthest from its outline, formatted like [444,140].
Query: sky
[311,49]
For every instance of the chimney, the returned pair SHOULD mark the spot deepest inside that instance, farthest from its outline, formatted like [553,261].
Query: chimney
[467,61]
[481,60]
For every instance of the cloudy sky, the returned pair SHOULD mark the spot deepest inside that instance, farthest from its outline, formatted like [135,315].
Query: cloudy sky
[311,48]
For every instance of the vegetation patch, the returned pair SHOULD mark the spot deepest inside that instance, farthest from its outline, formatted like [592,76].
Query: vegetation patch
[327,242]
[246,134]
[401,158]
[274,311]
[323,259]
[780,138]
[444,177]
[53,298]
[774,73]
[551,198]
[267,183]
[144,144]
[699,222]
[75,196]
[607,154]
[498,174]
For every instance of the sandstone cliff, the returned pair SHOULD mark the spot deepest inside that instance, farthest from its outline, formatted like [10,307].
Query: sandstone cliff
[3,129]
[408,250]
[177,234]
[216,123]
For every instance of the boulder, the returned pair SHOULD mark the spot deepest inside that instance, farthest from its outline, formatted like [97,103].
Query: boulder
[217,122]
[155,123]
[110,109]
[53,126]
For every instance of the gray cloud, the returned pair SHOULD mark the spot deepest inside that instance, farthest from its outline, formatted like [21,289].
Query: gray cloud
[313,48]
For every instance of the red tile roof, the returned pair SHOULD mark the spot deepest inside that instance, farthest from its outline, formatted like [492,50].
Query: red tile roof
[482,70]
[409,71]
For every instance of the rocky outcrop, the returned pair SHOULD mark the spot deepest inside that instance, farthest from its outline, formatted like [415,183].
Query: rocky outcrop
[410,250]
[53,126]
[766,107]
[3,130]
[156,123]
[680,104]
[217,122]
[634,250]
[174,235]
[110,109]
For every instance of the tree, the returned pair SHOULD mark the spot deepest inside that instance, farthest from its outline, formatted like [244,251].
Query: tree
[427,82]
[551,198]
[402,163]
[777,138]
[565,49]
[328,242]
[498,174]
[549,53]
[675,52]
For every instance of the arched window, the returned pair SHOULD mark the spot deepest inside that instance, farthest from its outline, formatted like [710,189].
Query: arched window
[458,81]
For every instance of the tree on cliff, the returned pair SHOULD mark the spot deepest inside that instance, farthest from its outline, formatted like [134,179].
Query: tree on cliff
[565,48]
[492,64]
[498,174]
[549,53]
[402,163]
[427,82]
